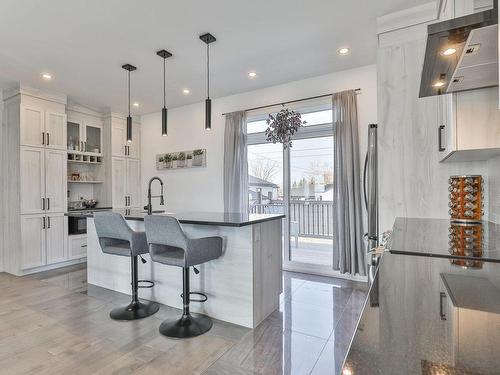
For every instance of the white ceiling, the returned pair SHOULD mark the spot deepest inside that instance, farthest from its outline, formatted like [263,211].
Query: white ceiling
[84,43]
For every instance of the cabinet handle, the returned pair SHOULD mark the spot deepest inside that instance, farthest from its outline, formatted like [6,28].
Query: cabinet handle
[83,245]
[442,314]
[48,204]
[48,222]
[125,152]
[43,222]
[81,146]
[43,204]
[48,139]
[43,138]
[85,146]
[440,138]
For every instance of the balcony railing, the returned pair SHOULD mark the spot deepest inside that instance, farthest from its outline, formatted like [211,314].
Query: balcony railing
[310,218]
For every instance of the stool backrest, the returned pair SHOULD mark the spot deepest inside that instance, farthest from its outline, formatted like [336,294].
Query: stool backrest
[112,225]
[165,230]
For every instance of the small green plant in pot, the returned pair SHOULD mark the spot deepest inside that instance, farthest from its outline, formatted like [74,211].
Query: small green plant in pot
[168,160]
[198,157]
[189,160]
[159,164]
[181,160]
[174,161]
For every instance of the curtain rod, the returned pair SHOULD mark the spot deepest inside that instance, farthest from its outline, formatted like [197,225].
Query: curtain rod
[358,91]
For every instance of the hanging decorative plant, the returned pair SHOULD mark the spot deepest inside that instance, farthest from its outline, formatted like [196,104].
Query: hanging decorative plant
[283,126]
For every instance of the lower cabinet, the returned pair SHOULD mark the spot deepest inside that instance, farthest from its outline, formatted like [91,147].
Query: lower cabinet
[43,239]
[77,246]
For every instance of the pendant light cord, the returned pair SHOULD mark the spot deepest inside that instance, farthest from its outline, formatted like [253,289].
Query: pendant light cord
[129,93]
[208,71]
[164,83]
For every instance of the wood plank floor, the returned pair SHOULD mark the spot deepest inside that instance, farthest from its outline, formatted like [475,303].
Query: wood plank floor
[54,323]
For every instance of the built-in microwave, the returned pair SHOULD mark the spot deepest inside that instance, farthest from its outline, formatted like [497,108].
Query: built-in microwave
[77,225]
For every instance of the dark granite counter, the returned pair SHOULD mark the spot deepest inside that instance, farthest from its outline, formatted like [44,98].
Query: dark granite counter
[434,237]
[426,315]
[233,219]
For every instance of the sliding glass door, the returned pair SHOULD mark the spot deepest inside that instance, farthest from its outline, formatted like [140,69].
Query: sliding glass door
[297,181]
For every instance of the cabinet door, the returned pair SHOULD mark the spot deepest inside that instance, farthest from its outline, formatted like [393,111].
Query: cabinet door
[119,182]
[56,232]
[446,126]
[134,182]
[135,145]
[77,246]
[118,137]
[55,129]
[93,138]
[32,179]
[32,126]
[55,180]
[32,241]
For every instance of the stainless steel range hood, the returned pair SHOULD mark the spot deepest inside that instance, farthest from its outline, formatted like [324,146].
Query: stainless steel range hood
[461,54]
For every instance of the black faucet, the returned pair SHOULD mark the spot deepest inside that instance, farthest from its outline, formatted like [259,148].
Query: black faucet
[149,207]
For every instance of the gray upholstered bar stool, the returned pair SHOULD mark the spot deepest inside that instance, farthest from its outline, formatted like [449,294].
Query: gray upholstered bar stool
[117,238]
[168,244]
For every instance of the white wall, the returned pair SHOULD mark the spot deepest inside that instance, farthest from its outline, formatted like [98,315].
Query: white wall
[201,189]
[494,189]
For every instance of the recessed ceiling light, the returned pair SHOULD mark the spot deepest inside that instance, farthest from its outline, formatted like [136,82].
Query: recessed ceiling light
[47,76]
[186,91]
[252,74]
[344,51]
[449,51]
[136,104]
[438,84]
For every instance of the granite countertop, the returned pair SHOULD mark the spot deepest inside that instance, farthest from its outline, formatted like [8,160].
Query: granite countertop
[233,219]
[427,315]
[431,237]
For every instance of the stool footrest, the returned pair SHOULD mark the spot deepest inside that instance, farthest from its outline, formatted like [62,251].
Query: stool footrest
[149,283]
[203,296]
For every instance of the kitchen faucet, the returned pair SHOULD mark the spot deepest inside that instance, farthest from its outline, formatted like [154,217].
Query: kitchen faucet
[149,207]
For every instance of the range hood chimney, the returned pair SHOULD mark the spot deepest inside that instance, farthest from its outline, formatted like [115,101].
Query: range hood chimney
[461,54]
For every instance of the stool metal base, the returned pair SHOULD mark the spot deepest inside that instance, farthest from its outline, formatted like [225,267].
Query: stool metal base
[135,310]
[191,325]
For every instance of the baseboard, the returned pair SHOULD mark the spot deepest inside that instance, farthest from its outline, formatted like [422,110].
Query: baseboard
[49,267]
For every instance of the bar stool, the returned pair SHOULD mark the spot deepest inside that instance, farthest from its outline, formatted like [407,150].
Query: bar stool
[168,244]
[117,238]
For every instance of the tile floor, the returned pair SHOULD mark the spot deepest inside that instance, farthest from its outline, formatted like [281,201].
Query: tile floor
[54,323]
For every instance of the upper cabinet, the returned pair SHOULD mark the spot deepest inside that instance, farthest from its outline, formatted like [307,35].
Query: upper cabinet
[42,126]
[85,132]
[119,144]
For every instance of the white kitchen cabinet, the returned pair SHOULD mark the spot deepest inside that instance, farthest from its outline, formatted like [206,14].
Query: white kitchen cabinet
[55,180]
[126,181]
[32,241]
[56,230]
[77,246]
[32,180]
[119,144]
[134,150]
[32,126]
[55,129]
[134,183]
[119,182]
[468,125]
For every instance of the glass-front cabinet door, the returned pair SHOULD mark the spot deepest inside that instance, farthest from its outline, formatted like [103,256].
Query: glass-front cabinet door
[74,136]
[93,139]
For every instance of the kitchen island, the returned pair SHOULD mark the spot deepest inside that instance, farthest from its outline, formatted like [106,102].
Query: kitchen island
[243,285]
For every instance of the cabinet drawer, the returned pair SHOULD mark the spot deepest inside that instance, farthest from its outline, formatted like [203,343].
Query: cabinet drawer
[77,246]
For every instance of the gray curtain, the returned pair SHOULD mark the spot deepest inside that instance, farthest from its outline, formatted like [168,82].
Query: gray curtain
[235,163]
[350,257]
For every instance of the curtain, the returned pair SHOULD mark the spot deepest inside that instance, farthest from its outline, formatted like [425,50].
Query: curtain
[350,257]
[235,163]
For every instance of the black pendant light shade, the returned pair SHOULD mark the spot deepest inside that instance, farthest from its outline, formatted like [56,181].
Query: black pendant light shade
[164,112]
[129,68]
[208,38]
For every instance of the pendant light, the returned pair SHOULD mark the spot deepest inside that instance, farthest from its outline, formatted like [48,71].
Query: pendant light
[164,112]
[129,68]
[208,38]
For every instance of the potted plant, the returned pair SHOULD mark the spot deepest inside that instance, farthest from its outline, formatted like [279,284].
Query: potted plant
[174,161]
[283,126]
[159,164]
[181,160]
[198,157]
[189,160]
[168,160]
